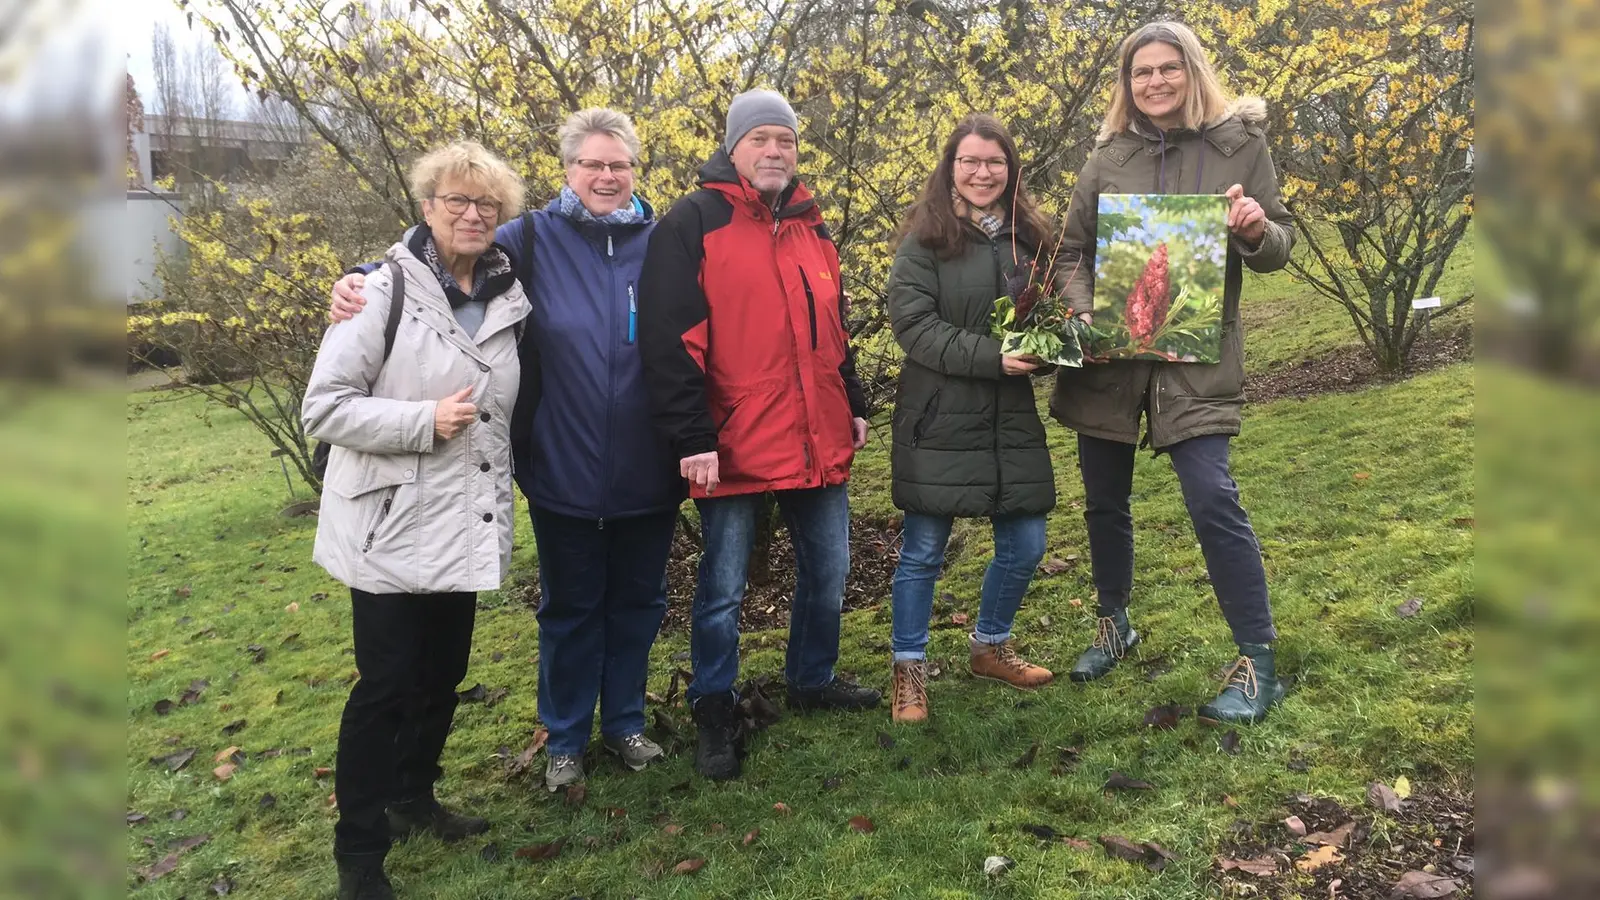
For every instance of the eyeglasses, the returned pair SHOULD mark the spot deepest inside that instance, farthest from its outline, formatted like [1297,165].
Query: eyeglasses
[1170,71]
[488,207]
[969,164]
[595,167]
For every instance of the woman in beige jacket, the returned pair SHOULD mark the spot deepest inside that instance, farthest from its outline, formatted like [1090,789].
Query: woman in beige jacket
[417,507]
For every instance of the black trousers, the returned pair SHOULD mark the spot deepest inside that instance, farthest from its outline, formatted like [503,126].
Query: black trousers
[412,651]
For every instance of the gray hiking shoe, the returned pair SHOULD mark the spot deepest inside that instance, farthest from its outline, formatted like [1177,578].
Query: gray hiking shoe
[563,771]
[635,750]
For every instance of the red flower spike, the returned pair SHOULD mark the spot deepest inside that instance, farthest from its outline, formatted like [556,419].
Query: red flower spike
[1148,301]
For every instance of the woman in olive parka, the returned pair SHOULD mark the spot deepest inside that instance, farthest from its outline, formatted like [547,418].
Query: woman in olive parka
[968,441]
[1171,129]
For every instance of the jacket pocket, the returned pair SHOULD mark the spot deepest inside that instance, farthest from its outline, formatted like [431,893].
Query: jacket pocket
[381,512]
[352,474]
[1223,380]
[928,412]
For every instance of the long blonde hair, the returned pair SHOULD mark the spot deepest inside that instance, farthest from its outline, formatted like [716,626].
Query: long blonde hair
[1205,102]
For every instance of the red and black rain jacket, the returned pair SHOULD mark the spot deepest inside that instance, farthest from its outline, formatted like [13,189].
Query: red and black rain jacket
[742,334]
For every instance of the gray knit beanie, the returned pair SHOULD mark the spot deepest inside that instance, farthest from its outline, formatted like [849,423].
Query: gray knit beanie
[753,109]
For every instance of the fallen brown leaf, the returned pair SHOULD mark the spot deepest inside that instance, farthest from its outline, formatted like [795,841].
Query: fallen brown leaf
[862,824]
[576,795]
[292,607]
[1295,825]
[321,772]
[174,761]
[1362,476]
[1055,565]
[1119,846]
[1026,759]
[220,757]
[1424,886]
[1165,716]
[1318,858]
[1383,797]
[1261,866]
[224,771]
[1121,782]
[781,809]
[958,618]
[1339,837]
[159,654]
[1077,843]
[162,707]
[750,836]
[673,829]
[539,852]
[1229,802]
[689,866]
[524,760]
[164,867]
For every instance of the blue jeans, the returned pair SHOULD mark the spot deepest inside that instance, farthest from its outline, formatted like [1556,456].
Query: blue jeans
[604,595]
[819,526]
[1233,557]
[1018,547]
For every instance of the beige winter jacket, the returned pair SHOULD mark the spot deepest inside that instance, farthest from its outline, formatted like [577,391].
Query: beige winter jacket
[402,510]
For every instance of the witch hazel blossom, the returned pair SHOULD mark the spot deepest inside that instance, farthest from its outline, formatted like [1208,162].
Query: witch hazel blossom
[1150,299]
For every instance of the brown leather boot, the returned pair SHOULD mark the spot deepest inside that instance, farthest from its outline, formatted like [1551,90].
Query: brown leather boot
[909,701]
[1001,663]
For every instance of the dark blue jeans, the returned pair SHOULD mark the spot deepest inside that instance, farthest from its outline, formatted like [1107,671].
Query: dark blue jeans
[604,587]
[1233,557]
[1018,546]
[819,527]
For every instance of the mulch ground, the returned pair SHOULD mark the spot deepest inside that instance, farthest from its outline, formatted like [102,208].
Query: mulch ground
[1432,834]
[1352,369]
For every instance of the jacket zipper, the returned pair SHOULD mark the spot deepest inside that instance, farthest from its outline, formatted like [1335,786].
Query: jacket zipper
[811,304]
[999,474]
[805,443]
[611,377]
[383,513]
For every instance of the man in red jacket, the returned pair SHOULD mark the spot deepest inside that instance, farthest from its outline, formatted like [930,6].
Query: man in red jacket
[752,380]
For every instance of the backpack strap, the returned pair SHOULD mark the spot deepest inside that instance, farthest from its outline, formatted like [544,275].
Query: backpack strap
[397,302]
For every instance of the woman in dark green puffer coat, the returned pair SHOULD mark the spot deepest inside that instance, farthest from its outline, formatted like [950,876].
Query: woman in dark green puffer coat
[967,436]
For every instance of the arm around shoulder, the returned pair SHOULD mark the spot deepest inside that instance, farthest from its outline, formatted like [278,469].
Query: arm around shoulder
[339,407]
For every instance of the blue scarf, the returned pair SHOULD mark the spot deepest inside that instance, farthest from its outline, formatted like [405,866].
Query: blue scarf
[568,205]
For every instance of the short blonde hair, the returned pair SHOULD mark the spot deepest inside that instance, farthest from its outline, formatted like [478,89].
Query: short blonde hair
[1206,102]
[469,161]
[581,125]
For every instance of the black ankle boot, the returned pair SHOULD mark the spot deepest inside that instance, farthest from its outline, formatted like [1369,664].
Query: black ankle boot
[427,814]
[1113,639]
[361,877]
[1251,688]
[719,736]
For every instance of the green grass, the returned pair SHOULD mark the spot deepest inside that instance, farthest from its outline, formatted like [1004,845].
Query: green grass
[213,567]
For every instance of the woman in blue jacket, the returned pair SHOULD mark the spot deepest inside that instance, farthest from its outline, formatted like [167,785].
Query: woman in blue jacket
[602,488]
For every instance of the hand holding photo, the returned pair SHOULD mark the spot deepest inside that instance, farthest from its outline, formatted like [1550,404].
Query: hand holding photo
[1159,262]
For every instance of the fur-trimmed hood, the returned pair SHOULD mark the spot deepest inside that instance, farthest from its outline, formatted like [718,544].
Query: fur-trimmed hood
[1249,110]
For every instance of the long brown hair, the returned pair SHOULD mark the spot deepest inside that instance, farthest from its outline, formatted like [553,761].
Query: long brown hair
[932,220]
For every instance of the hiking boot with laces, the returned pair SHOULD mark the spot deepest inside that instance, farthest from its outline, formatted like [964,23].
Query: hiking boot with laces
[635,750]
[999,662]
[427,814]
[562,771]
[836,694]
[910,691]
[361,877]
[1250,689]
[1114,637]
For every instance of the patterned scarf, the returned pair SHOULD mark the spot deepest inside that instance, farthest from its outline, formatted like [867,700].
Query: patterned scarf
[567,204]
[493,262]
[990,223]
